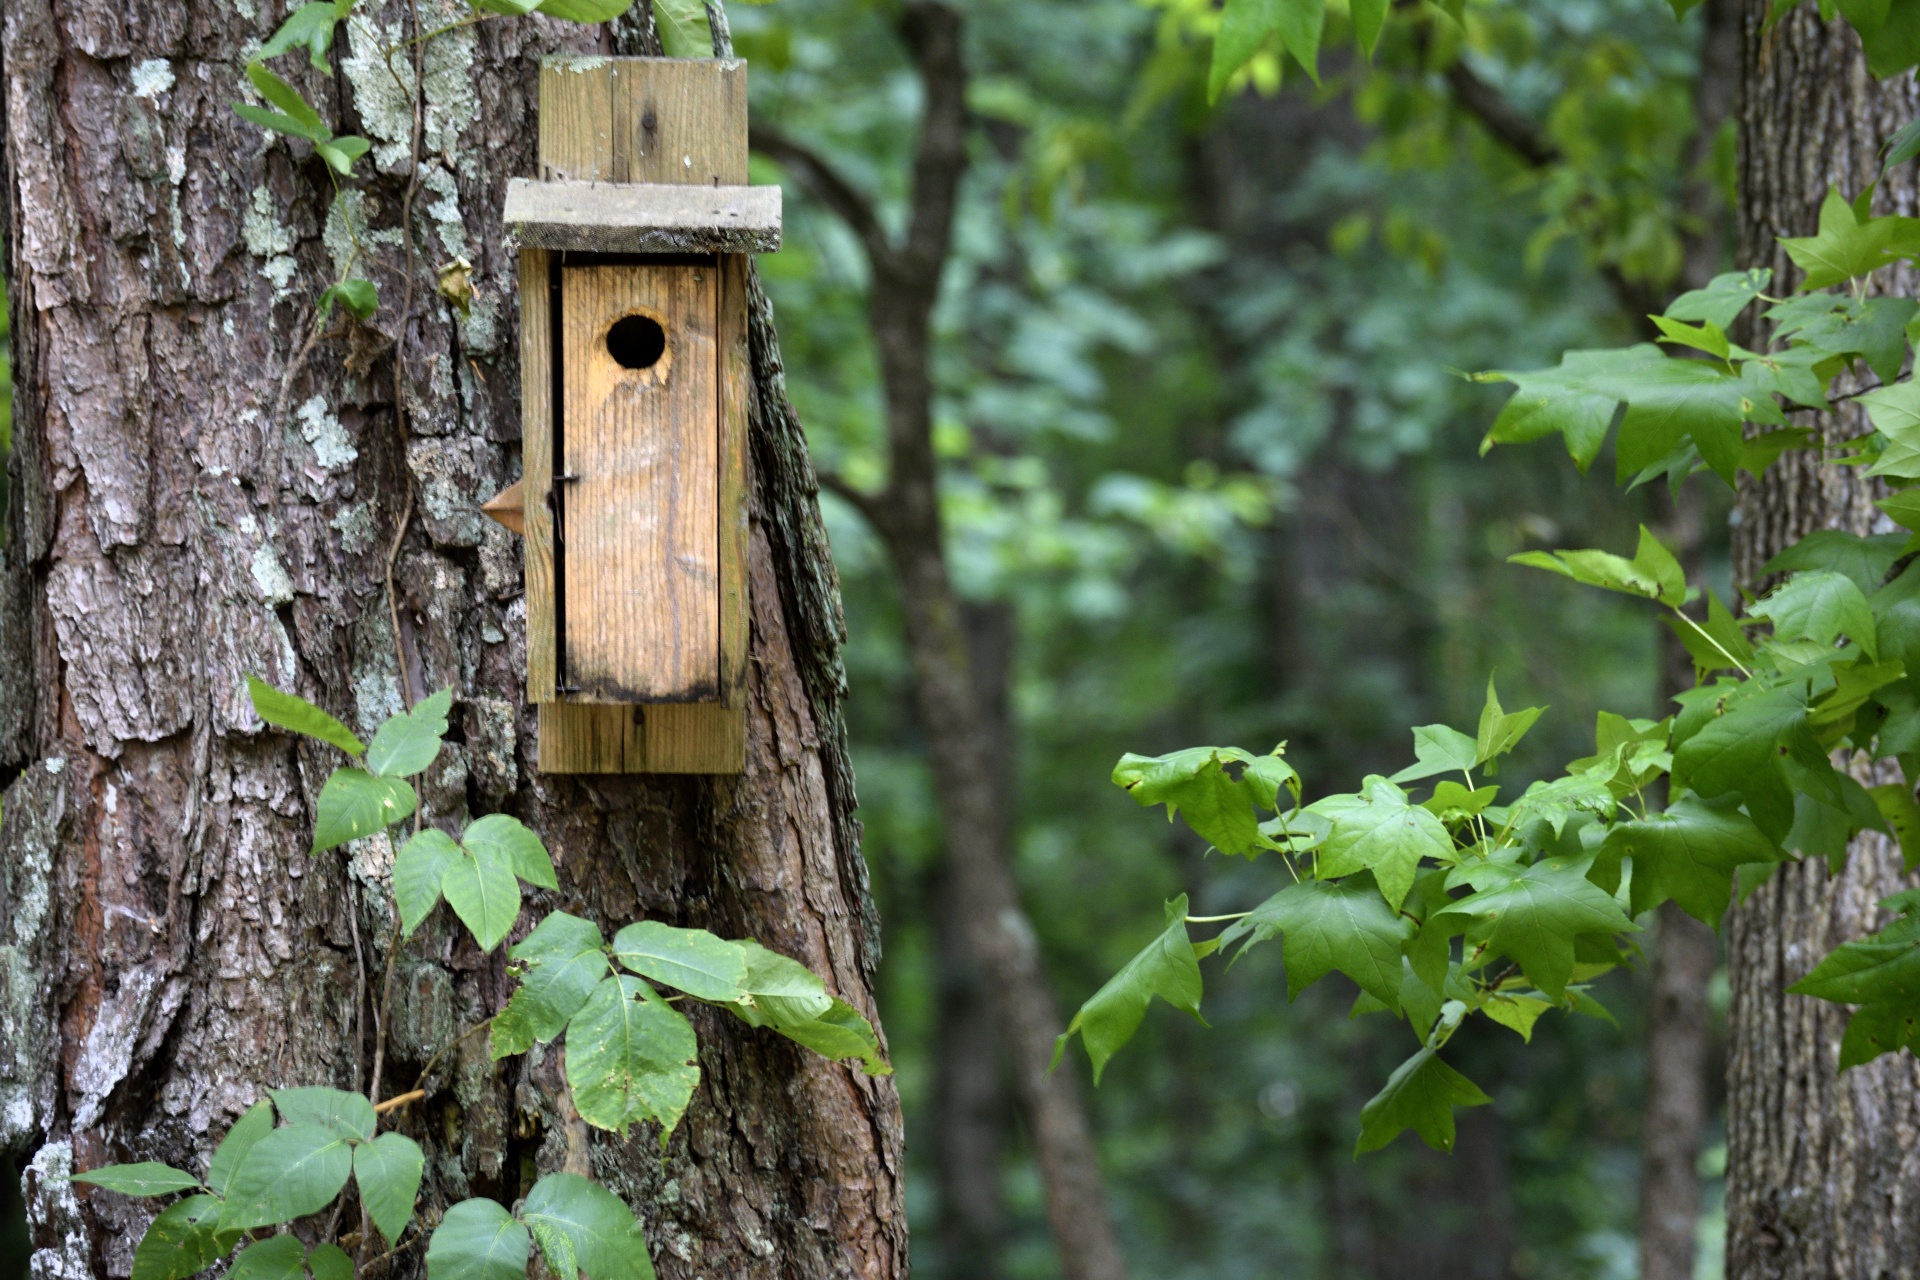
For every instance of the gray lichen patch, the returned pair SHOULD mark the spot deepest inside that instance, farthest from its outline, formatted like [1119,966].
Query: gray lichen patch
[31,819]
[454,480]
[354,524]
[53,1214]
[332,449]
[276,588]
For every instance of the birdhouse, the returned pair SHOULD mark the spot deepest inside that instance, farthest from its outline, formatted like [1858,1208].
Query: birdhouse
[634,385]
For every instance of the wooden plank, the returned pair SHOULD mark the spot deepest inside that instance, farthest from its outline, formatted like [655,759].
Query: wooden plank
[640,560]
[666,737]
[536,465]
[736,385]
[663,120]
[647,217]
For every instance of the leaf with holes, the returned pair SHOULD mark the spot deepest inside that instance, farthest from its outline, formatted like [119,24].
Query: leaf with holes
[566,958]
[630,1057]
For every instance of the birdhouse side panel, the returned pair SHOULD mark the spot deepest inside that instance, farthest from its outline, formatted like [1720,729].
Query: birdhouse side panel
[538,275]
[639,468]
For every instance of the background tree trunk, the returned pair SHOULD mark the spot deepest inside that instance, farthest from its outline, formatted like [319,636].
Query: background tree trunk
[201,493]
[1821,1180]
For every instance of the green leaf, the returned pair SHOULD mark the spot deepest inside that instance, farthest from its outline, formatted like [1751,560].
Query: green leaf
[1716,645]
[407,743]
[480,887]
[1848,245]
[330,1261]
[311,26]
[508,838]
[1705,336]
[1723,298]
[1876,1029]
[1883,968]
[586,11]
[1369,17]
[298,119]
[1500,731]
[1200,785]
[1516,1013]
[1600,569]
[1819,605]
[1872,328]
[288,1174]
[477,1240]
[1379,831]
[1737,751]
[1689,854]
[278,1258]
[418,870]
[147,1178]
[557,1250]
[1902,146]
[183,1241]
[786,996]
[340,153]
[1300,23]
[1653,561]
[1536,916]
[354,803]
[692,960]
[1896,804]
[602,1231]
[1244,27]
[361,297]
[348,1114]
[630,1057]
[566,959]
[1438,749]
[256,1124]
[1420,1095]
[387,1171]
[1167,967]
[1328,925]
[1862,561]
[296,713]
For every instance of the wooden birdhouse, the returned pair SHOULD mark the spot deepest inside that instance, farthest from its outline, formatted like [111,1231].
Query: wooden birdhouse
[634,384]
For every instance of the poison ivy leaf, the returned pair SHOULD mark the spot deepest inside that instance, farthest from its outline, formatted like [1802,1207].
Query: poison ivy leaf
[1167,968]
[294,117]
[784,994]
[183,1241]
[310,26]
[604,1235]
[1536,916]
[1500,730]
[256,1124]
[407,743]
[566,959]
[1819,605]
[288,1174]
[1438,749]
[1689,854]
[630,1057]
[1848,245]
[1201,785]
[361,297]
[354,803]
[508,838]
[330,1262]
[1862,561]
[1516,1013]
[692,960]
[1420,1095]
[291,712]
[348,1114]
[557,1250]
[1723,298]
[588,11]
[340,153]
[480,887]
[417,873]
[276,1258]
[1883,968]
[1382,833]
[477,1240]
[387,1171]
[1328,925]
[147,1178]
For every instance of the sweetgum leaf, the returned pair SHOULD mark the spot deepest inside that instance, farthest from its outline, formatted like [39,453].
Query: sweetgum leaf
[1722,298]
[1420,1095]
[1689,854]
[1167,967]
[1329,925]
[1848,245]
[1200,785]
[1536,916]
[1819,605]
[1862,561]
[1380,832]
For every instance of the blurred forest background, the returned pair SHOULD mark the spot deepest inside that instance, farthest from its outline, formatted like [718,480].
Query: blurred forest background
[1209,474]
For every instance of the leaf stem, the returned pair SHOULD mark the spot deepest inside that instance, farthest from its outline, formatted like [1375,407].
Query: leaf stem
[398,1100]
[1238,915]
[1745,674]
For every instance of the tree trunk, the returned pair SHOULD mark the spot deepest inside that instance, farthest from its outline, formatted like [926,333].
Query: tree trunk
[202,493]
[1821,1180]
[1675,1114]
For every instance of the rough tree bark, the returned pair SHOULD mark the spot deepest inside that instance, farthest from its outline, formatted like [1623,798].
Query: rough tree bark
[200,493]
[906,277]
[1821,1179]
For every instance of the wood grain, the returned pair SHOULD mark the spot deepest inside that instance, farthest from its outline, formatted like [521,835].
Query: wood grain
[661,737]
[536,462]
[668,120]
[640,523]
[735,386]
[649,217]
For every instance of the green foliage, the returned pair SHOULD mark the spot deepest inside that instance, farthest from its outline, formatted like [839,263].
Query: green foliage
[630,1057]
[1420,1095]
[1168,967]
[148,1178]
[1218,802]
[477,1240]
[602,1236]
[407,743]
[387,1170]
[1881,974]
[289,711]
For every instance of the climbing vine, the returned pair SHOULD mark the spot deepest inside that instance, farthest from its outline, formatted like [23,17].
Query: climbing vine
[1442,902]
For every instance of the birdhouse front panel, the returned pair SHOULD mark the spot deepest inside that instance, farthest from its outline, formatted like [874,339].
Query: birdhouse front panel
[637,494]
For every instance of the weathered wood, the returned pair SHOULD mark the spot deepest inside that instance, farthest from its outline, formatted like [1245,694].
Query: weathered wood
[735,385]
[536,461]
[648,217]
[507,509]
[639,525]
[666,120]
[659,737]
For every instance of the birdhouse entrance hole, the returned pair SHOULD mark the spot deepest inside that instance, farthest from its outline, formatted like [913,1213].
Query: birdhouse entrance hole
[636,342]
